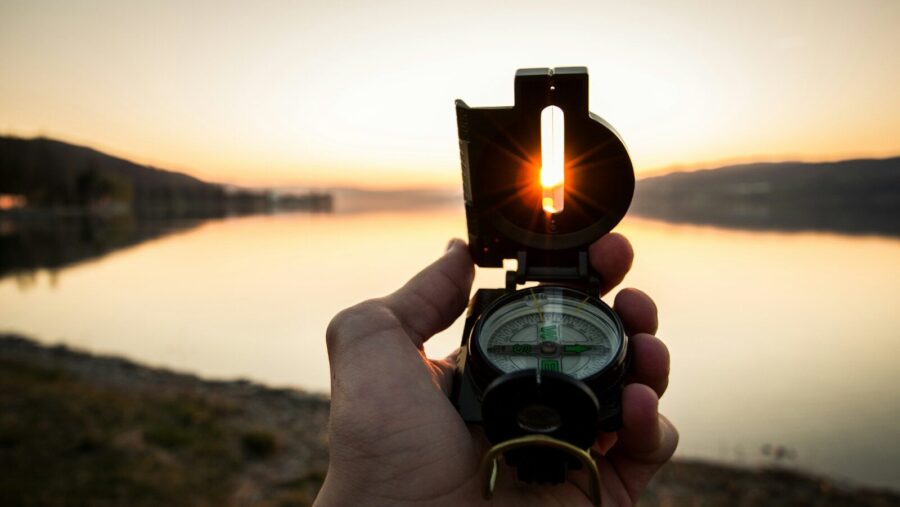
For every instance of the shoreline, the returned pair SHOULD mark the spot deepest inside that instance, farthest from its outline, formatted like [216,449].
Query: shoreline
[76,427]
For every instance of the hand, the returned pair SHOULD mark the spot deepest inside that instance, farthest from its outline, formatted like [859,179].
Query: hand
[395,437]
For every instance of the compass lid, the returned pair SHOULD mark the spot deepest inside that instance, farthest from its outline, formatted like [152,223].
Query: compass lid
[501,150]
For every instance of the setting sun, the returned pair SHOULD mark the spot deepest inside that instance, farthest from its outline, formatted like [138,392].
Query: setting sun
[553,161]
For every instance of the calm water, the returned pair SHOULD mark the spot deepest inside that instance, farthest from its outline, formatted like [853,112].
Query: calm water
[786,339]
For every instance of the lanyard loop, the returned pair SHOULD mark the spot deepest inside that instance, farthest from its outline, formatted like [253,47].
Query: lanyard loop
[488,469]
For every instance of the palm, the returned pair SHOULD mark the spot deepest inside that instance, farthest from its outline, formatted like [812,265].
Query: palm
[395,436]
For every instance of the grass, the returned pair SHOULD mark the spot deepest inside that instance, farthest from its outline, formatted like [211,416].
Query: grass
[259,444]
[63,442]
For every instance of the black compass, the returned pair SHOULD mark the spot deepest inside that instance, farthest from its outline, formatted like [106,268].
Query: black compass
[542,366]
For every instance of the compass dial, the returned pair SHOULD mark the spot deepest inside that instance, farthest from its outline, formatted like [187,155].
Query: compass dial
[551,329]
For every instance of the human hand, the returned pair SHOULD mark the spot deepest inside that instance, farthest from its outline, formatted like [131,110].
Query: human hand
[395,438]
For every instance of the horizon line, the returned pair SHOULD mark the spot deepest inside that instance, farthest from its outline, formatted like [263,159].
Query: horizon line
[687,167]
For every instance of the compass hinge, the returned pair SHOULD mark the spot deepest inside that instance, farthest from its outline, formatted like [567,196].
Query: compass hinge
[580,274]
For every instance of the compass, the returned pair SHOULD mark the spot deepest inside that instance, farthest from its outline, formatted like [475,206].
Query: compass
[549,329]
[543,360]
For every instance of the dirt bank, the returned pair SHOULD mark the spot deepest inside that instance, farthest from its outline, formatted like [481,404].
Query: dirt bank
[79,429]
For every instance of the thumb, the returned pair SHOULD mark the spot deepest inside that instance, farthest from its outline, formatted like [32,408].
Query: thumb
[427,304]
[435,297]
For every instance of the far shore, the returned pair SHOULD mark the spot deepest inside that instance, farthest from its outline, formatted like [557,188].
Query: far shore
[76,428]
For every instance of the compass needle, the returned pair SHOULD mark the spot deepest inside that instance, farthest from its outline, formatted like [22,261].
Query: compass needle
[537,304]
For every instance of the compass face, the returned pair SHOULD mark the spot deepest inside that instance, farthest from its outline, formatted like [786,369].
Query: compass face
[551,329]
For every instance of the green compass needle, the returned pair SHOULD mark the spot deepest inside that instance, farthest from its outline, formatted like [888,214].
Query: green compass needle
[577,349]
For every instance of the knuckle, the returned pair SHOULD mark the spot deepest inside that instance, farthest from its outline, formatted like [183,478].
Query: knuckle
[343,323]
[338,322]
[673,438]
[662,351]
[355,322]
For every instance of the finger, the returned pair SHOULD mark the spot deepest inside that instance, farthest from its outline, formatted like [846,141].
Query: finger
[640,429]
[611,256]
[650,362]
[646,442]
[435,297]
[366,343]
[374,336]
[650,367]
[637,311]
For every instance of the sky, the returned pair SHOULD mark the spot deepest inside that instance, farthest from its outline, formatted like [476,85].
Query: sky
[344,93]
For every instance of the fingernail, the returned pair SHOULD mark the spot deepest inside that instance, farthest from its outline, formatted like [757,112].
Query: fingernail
[452,243]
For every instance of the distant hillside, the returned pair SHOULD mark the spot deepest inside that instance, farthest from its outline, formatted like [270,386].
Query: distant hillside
[55,175]
[852,196]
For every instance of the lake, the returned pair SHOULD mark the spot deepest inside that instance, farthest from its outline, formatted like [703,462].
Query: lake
[787,340]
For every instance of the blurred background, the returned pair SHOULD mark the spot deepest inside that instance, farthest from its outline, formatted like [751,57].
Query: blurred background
[198,187]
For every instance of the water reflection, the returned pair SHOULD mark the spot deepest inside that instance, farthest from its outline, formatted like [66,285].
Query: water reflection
[785,340]
[772,215]
[27,246]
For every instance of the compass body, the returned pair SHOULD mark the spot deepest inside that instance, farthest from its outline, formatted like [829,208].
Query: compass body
[542,180]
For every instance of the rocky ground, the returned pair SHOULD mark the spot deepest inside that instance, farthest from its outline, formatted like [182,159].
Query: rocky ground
[78,429]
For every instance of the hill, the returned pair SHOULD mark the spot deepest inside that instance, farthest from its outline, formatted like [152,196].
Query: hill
[852,196]
[53,175]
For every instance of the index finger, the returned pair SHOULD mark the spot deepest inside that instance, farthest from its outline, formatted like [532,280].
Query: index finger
[611,256]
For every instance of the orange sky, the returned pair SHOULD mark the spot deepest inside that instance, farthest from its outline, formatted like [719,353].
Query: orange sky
[361,93]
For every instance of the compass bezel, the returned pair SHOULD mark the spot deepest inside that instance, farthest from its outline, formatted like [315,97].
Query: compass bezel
[485,371]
